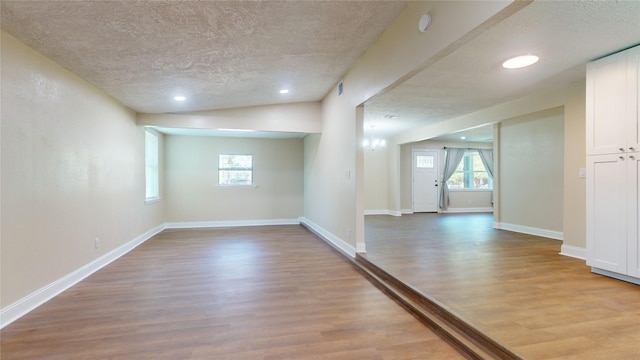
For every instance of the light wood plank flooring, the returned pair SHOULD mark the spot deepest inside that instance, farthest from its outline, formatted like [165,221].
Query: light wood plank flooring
[273,292]
[513,287]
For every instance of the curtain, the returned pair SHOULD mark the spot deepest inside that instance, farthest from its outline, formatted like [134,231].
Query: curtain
[486,155]
[452,159]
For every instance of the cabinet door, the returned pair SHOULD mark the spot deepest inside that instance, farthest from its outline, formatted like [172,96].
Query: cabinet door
[607,212]
[633,222]
[633,102]
[606,112]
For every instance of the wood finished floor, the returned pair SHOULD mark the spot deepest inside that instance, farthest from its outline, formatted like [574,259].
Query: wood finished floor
[272,292]
[516,288]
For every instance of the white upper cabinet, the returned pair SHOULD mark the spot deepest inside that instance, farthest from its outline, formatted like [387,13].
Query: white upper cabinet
[612,104]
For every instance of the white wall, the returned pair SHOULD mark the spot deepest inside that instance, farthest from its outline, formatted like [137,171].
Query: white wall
[531,176]
[191,177]
[72,171]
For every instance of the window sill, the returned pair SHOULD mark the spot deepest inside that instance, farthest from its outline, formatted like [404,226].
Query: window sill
[237,186]
[470,190]
[151,200]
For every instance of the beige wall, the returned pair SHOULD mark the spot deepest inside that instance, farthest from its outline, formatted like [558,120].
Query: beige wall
[376,176]
[72,171]
[295,117]
[574,216]
[531,176]
[333,160]
[459,199]
[572,99]
[191,178]
[465,200]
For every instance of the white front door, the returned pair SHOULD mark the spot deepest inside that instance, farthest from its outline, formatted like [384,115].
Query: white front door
[425,181]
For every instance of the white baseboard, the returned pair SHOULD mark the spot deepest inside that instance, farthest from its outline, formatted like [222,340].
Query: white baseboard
[383,212]
[405,212]
[229,223]
[556,235]
[337,243]
[377,212]
[614,275]
[573,251]
[23,306]
[468,210]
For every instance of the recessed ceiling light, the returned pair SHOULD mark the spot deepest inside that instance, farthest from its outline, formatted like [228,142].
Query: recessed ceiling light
[424,22]
[463,137]
[284,91]
[179,98]
[520,62]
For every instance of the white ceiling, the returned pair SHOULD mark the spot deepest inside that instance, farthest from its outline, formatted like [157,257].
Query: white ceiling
[225,54]
[564,34]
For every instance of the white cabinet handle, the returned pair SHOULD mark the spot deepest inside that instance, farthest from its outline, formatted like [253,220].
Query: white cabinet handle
[621,157]
[632,157]
[631,148]
[621,149]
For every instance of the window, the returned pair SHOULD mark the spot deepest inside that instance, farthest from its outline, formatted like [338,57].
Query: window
[151,176]
[424,162]
[235,170]
[470,174]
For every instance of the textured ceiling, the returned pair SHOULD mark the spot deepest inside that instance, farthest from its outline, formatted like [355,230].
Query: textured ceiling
[224,54]
[565,34]
[219,54]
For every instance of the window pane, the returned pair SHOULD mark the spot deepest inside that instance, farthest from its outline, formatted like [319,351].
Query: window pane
[470,174]
[152,188]
[456,181]
[424,162]
[481,180]
[235,162]
[235,170]
[477,163]
[235,177]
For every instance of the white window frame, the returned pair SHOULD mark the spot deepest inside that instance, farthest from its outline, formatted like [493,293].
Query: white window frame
[232,169]
[151,166]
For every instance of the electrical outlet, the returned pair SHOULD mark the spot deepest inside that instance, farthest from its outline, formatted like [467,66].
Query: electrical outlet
[97,243]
